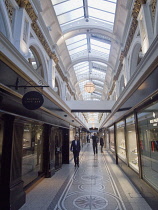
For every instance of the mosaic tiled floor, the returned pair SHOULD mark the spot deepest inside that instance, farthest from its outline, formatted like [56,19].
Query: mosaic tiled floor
[91,187]
[97,184]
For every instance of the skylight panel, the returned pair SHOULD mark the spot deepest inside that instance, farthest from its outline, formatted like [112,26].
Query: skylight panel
[98,71]
[96,93]
[99,89]
[77,44]
[98,82]
[97,85]
[80,65]
[100,49]
[82,72]
[107,6]
[101,44]
[103,65]
[54,2]
[81,69]
[67,6]
[101,37]
[70,16]
[79,54]
[101,15]
[78,49]
[75,39]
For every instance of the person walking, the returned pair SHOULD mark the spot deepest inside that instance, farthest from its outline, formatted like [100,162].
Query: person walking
[88,138]
[101,143]
[95,143]
[75,148]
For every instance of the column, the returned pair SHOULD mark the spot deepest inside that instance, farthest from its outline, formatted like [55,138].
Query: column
[11,185]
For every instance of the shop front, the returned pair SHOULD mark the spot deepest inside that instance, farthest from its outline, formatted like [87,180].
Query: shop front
[32,154]
[111,139]
[132,149]
[120,141]
[148,135]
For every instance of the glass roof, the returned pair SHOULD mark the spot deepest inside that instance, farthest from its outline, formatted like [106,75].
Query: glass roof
[89,50]
[88,45]
[70,11]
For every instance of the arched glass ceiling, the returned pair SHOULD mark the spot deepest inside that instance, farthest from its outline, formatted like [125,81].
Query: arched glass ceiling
[70,12]
[87,14]
[73,14]
[79,46]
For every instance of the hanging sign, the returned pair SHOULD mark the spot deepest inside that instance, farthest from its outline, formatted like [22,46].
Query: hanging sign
[32,100]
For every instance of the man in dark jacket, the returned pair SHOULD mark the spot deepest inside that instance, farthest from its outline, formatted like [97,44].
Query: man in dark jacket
[95,143]
[101,143]
[75,148]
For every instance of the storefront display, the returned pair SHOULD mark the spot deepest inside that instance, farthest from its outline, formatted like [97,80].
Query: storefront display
[111,135]
[32,152]
[148,134]
[120,140]
[132,143]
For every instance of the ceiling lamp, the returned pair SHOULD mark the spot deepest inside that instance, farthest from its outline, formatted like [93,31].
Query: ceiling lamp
[89,87]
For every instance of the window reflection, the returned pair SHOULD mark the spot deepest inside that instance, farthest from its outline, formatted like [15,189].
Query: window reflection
[32,152]
[112,144]
[120,140]
[132,143]
[148,134]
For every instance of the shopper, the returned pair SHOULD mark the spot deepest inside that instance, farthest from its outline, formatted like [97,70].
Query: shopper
[75,148]
[88,138]
[95,143]
[101,143]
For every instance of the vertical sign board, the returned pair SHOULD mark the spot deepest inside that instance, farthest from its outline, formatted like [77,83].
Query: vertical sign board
[32,100]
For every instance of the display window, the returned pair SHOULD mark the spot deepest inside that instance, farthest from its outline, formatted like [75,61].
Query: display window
[32,159]
[148,135]
[132,143]
[111,138]
[120,140]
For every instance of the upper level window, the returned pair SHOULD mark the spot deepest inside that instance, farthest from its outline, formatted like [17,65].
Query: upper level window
[35,61]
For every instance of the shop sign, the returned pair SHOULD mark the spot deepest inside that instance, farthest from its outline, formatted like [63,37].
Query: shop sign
[32,100]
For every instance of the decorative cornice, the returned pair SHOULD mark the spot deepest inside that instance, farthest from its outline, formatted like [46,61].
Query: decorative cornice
[60,72]
[118,71]
[153,8]
[136,8]
[30,11]
[22,3]
[10,10]
[54,57]
[135,12]
[112,88]
[142,1]
[70,90]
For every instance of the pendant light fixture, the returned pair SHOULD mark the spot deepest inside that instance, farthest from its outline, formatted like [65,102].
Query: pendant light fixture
[89,86]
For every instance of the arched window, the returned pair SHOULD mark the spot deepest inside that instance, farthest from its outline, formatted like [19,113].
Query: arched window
[35,61]
[135,58]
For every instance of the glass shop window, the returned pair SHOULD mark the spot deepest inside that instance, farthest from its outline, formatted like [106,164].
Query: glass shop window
[148,134]
[132,143]
[1,142]
[32,160]
[111,135]
[120,140]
